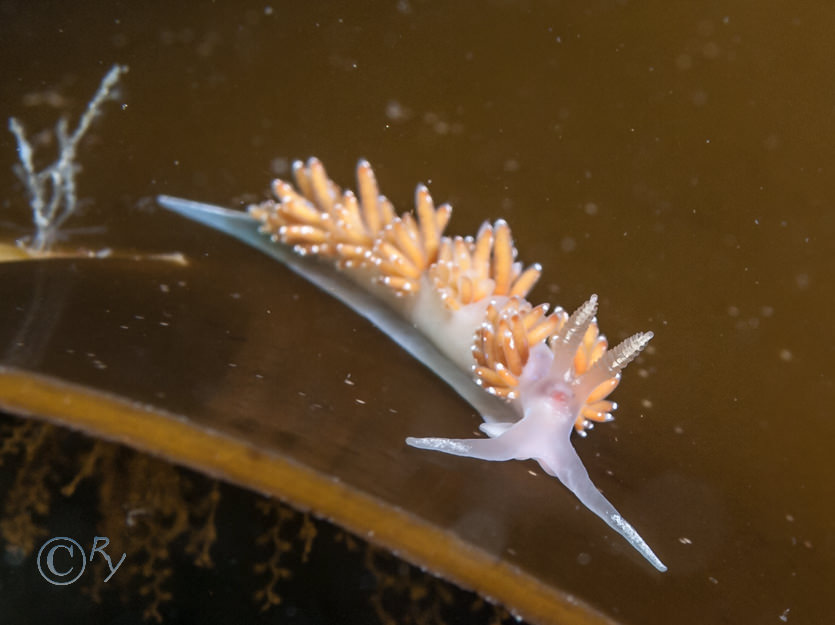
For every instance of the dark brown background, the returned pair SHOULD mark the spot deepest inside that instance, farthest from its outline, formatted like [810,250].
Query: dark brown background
[675,159]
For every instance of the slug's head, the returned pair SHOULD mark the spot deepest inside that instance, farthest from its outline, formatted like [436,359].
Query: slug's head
[562,361]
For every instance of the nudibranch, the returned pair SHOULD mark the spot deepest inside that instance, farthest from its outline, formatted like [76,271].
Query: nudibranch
[459,305]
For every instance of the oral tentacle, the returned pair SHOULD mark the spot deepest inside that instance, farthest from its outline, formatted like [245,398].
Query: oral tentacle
[514,442]
[565,465]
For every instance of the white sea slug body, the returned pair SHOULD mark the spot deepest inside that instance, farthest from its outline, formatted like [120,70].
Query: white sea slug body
[466,296]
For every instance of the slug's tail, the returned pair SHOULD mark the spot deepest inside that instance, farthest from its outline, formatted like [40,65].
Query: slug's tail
[246,228]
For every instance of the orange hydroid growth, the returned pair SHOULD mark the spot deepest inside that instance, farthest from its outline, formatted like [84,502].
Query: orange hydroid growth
[502,343]
[468,271]
[597,408]
[408,246]
[363,230]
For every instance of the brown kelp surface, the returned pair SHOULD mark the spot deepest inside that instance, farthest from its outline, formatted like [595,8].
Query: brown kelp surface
[211,386]
[675,161]
[177,537]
